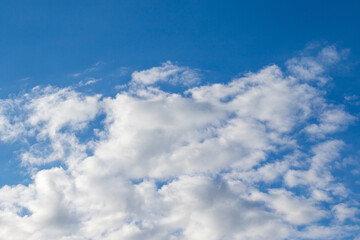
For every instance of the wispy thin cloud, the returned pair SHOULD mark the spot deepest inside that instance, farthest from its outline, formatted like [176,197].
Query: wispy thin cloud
[24,79]
[93,68]
[89,81]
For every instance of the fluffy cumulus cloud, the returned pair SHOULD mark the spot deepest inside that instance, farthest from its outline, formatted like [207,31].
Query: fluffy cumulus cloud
[249,159]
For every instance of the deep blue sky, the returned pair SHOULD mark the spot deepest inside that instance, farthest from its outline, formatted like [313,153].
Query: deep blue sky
[47,40]
[43,42]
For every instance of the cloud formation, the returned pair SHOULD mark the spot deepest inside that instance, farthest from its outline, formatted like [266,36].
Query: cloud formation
[167,72]
[248,159]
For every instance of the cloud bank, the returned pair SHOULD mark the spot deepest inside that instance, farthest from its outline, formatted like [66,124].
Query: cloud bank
[249,159]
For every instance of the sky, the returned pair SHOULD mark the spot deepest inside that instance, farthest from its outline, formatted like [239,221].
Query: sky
[180,120]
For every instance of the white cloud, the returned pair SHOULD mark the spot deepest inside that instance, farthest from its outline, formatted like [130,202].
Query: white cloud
[220,161]
[89,81]
[330,121]
[10,126]
[318,177]
[307,67]
[342,212]
[328,232]
[267,96]
[52,116]
[168,72]
[296,210]
[50,110]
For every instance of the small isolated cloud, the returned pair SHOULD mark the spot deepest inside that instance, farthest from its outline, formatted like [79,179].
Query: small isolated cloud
[350,97]
[252,158]
[167,72]
[89,81]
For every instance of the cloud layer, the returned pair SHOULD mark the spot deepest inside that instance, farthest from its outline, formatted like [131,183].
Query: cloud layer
[247,159]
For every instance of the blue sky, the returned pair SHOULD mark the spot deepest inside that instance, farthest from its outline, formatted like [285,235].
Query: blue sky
[179,120]
[45,40]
